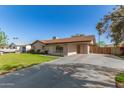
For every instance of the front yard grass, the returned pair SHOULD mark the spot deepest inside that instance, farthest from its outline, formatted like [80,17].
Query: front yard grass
[10,62]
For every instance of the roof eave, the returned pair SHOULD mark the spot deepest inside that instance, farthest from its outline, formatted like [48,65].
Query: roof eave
[67,42]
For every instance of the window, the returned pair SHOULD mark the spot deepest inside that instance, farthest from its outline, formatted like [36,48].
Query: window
[14,47]
[24,49]
[43,47]
[59,49]
[33,47]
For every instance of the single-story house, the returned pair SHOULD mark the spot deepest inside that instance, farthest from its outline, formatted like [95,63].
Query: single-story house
[20,48]
[65,46]
[112,45]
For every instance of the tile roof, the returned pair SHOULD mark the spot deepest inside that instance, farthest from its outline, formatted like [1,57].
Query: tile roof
[70,40]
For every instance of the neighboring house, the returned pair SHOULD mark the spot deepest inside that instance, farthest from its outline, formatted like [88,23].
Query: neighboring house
[112,45]
[121,44]
[65,46]
[109,45]
[20,48]
[14,46]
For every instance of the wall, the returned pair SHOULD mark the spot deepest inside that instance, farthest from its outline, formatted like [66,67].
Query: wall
[38,46]
[52,49]
[92,42]
[18,47]
[69,49]
[84,49]
[72,49]
[28,47]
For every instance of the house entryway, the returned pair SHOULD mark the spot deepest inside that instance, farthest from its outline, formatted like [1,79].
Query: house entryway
[78,49]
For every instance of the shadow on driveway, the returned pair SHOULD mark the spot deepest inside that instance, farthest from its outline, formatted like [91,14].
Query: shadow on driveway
[113,56]
[60,76]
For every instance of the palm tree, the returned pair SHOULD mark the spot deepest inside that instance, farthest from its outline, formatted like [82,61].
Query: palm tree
[100,31]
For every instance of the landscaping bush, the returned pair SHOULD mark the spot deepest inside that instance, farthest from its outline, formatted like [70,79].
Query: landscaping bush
[46,52]
[31,51]
[120,77]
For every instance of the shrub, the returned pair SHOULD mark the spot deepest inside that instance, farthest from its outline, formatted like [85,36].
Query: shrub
[120,77]
[46,52]
[31,51]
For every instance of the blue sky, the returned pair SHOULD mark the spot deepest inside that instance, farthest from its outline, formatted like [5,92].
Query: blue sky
[30,23]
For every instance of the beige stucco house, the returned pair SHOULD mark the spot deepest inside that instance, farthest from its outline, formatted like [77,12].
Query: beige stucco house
[65,46]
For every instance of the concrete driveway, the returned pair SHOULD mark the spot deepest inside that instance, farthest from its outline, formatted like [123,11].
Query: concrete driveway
[75,71]
[104,60]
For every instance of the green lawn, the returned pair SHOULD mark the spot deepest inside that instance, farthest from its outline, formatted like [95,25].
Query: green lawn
[18,61]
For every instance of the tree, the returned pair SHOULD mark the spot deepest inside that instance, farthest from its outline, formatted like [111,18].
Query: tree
[113,25]
[100,31]
[101,43]
[3,39]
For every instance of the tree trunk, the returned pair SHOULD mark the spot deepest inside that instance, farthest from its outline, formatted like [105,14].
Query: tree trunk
[99,39]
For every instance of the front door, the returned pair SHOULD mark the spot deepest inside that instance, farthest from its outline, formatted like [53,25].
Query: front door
[23,49]
[78,49]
